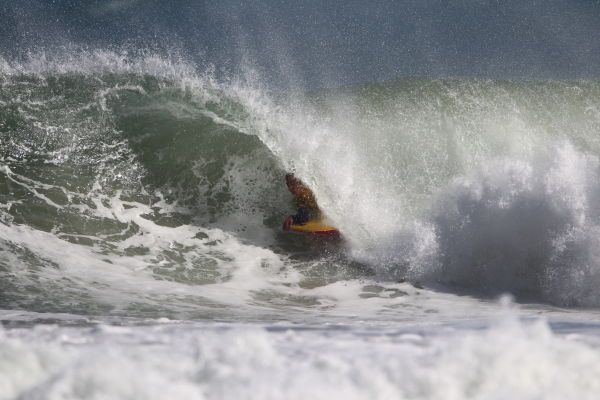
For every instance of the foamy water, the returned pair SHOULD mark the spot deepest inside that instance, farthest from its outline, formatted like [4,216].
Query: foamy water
[209,361]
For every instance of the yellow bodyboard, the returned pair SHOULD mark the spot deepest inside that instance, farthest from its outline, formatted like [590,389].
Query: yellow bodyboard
[315,227]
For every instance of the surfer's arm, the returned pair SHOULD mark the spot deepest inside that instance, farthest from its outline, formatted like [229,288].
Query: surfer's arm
[288,222]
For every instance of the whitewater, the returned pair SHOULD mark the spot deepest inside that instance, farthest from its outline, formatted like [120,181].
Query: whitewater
[141,251]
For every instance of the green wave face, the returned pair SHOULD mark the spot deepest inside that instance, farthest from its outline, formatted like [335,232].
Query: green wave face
[135,133]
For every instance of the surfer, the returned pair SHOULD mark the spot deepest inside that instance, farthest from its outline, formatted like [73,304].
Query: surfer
[307,208]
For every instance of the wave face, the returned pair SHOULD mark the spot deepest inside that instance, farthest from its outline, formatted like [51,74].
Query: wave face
[122,173]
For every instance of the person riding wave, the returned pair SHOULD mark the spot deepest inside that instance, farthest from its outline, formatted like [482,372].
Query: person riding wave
[304,199]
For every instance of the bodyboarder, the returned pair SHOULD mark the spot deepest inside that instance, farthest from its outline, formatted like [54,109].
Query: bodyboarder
[304,199]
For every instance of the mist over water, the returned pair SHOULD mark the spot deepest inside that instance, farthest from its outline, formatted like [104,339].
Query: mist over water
[315,44]
[142,194]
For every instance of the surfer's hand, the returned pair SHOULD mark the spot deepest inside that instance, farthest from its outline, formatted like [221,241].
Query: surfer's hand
[287,223]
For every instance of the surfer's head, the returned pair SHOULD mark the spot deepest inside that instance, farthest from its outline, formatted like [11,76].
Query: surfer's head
[293,183]
[290,178]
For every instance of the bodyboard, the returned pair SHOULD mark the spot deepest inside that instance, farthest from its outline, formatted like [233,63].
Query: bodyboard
[314,228]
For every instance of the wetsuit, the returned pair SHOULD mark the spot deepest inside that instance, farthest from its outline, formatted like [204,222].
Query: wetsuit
[307,207]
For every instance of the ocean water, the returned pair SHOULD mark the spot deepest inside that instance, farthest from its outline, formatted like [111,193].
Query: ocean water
[141,254]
